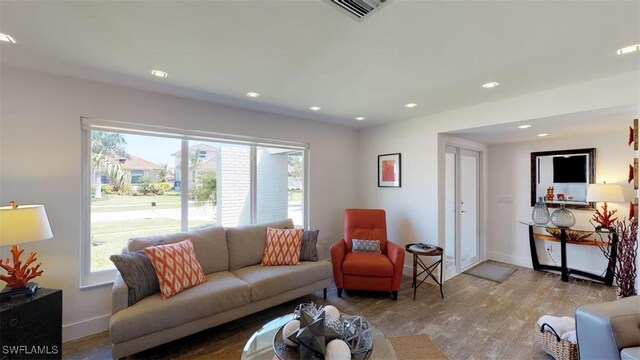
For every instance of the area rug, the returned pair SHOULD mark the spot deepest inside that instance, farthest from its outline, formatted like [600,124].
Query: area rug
[491,271]
[416,347]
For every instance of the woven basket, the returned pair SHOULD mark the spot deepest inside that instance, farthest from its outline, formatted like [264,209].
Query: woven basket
[553,345]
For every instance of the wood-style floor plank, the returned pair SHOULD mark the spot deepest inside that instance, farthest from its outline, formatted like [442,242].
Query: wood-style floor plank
[477,319]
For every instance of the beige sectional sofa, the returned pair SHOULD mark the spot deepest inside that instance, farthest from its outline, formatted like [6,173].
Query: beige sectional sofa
[237,285]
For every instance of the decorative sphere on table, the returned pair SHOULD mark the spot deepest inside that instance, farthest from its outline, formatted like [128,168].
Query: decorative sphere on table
[357,334]
[337,350]
[331,312]
[290,328]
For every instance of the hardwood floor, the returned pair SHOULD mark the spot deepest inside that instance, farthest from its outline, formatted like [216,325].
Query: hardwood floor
[477,319]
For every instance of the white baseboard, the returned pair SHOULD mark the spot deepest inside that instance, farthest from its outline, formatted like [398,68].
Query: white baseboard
[85,328]
[523,261]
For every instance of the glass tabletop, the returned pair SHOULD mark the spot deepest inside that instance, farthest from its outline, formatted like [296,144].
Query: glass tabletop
[551,226]
[260,344]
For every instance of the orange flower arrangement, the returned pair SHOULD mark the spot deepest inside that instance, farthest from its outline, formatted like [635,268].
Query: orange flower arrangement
[19,274]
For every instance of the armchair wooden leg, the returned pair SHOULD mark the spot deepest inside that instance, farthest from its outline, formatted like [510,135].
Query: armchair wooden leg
[339,292]
[324,293]
[394,295]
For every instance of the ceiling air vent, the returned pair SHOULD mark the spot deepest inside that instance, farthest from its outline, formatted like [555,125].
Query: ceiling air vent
[357,9]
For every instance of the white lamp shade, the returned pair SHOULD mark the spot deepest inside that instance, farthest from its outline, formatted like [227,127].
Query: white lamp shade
[605,193]
[23,224]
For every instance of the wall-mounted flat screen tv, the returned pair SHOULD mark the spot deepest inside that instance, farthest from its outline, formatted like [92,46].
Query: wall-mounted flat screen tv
[570,169]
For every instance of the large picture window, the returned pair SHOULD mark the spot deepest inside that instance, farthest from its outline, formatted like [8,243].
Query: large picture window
[141,182]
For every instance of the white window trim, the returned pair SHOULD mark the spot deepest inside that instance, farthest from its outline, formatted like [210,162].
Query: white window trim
[90,279]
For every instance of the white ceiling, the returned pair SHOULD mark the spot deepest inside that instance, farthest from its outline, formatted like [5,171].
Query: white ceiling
[303,53]
[582,123]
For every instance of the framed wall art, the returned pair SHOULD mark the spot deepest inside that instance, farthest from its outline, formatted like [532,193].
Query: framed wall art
[389,170]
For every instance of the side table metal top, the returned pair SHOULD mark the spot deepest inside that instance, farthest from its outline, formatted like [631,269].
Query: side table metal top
[411,248]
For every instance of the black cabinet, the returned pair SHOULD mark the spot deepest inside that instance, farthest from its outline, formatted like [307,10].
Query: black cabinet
[31,327]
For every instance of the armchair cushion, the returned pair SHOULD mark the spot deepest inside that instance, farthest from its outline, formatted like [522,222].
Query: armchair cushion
[366,246]
[367,264]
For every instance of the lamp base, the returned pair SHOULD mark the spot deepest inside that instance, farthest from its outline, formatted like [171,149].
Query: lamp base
[10,293]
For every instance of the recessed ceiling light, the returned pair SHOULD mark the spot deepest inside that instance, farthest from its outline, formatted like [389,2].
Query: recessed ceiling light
[411,105]
[253,94]
[360,118]
[315,108]
[159,73]
[628,49]
[543,135]
[490,85]
[7,38]
[524,126]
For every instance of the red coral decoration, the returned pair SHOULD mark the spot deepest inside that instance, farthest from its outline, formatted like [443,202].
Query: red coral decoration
[632,211]
[19,274]
[604,218]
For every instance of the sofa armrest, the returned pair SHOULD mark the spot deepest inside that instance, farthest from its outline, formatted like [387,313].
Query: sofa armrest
[119,295]
[338,251]
[396,255]
[604,329]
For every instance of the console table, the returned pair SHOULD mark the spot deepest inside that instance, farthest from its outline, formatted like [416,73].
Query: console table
[32,326]
[563,269]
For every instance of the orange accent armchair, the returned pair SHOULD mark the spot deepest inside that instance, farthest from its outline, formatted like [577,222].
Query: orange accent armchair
[367,271]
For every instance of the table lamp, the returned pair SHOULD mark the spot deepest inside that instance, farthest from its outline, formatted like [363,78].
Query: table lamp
[605,193]
[19,225]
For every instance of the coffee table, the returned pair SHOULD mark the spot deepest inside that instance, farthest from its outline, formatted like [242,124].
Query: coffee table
[260,344]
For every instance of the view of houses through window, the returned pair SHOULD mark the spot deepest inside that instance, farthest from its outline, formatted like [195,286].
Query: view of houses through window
[137,188]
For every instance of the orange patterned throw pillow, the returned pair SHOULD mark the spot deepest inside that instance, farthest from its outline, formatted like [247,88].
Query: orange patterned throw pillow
[282,247]
[176,267]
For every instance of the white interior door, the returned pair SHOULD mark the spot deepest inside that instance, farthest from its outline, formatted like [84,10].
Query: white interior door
[450,210]
[469,205]
[462,206]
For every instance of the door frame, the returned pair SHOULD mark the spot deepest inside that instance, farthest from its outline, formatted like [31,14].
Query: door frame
[459,261]
[443,142]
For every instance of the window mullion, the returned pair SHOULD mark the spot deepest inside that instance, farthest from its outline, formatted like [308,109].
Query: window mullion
[184,187]
[85,217]
[253,173]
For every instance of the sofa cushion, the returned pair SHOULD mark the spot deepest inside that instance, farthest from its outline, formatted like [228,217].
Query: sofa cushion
[138,273]
[267,281]
[283,247]
[246,243]
[309,250]
[223,291]
[367,264]
[209,243]
[176,266]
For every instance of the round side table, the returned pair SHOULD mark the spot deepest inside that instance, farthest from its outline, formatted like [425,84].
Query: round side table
[424,269]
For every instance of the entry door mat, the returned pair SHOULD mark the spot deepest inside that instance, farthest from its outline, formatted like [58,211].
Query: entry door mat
[491,271]
[416,347]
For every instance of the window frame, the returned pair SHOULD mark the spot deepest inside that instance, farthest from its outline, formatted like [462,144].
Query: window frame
[105,277]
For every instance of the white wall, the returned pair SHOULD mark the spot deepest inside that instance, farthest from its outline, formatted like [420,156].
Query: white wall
[40,164]
[413,210]
[510,177]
